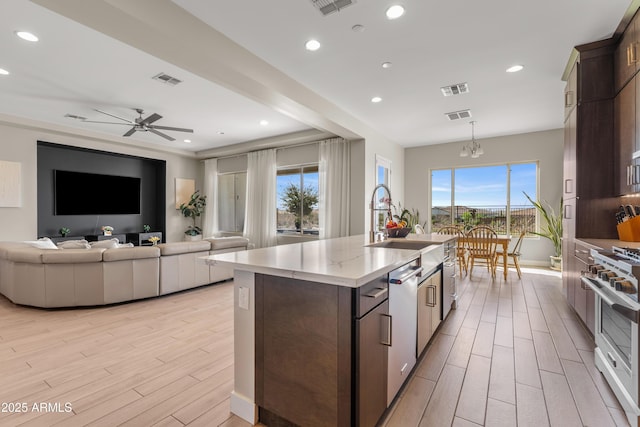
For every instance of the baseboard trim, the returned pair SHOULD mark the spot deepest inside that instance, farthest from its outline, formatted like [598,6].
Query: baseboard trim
[244,407]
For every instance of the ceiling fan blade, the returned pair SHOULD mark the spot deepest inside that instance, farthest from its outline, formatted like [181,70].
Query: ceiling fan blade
[165,136]
[152,118]
[130,131]
[112,115]
[107,123]
[171,128]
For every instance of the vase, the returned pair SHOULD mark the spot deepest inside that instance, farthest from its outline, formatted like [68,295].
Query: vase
[556,263]
[107,233]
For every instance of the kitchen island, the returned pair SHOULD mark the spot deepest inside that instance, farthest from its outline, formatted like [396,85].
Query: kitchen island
[295,340]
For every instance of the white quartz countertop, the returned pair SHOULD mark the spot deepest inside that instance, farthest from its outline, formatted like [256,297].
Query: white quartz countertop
[344,261]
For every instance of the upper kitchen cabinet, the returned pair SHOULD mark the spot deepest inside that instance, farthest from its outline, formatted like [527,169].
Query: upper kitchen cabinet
[625,132]
[589,125]
[626,54]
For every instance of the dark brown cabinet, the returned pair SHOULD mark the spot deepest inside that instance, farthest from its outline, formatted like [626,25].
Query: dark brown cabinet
[321,352]
[625,139]
[626,54]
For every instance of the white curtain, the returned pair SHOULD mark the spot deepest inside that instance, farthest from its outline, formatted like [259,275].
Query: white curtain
[333,186]
[210,189]
[260,223]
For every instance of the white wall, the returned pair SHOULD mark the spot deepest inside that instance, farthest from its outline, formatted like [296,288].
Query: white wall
[18,143]
[545,147]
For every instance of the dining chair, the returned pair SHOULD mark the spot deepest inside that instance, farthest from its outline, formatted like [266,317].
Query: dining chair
[461,251]
[514,254]
[482,242]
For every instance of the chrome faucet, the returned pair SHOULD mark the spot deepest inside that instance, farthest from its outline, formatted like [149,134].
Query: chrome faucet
[373,208]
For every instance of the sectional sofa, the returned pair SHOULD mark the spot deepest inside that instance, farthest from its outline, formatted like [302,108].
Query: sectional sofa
[95,276]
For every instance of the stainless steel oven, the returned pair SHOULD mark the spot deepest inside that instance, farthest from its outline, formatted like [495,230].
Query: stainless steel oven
[613,280]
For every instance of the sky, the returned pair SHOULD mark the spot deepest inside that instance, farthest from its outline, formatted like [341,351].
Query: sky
[282,182]
[485,186]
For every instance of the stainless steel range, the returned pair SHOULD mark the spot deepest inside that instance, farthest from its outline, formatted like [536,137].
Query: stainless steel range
[614,279]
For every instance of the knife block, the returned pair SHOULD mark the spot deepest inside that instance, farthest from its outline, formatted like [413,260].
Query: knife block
[629,231]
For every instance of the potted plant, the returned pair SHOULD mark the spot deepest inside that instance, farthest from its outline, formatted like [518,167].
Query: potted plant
[193,209]
[411,218]
[64,231]
[146,228]
[552,229]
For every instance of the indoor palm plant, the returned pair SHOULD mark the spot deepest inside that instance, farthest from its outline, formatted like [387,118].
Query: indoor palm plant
[552,229]
[193,209]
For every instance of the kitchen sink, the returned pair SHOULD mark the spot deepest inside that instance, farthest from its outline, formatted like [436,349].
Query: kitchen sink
[400,244]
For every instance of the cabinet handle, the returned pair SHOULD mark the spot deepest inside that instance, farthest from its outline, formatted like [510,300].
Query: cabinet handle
[379,293]
[631,54]
[628,175]
[431,296]
[387,340]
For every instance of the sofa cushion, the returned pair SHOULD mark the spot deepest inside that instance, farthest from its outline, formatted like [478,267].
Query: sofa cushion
[72,256]
[106,244]
[74,244]
[228,242]
[176,248]
[27,254]
[42,243]
[138,252]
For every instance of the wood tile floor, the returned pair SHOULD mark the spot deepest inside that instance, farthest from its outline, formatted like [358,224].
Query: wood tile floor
[512,354]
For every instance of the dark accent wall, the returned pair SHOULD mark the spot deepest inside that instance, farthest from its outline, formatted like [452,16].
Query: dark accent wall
[152,174]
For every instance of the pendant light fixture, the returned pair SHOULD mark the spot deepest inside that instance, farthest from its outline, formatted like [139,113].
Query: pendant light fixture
[472,148]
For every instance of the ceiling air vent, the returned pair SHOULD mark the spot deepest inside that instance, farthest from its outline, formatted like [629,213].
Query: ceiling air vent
[455,115]
[327,7]
[455,89]
[166,78]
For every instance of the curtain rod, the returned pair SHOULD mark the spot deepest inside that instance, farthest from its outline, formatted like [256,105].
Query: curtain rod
[301,144]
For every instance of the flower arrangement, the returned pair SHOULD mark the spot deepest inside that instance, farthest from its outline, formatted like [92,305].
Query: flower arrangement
[107,229]
[154,240]
[64,231]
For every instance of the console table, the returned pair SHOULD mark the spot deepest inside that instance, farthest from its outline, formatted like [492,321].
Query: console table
[142,239]
[122,238]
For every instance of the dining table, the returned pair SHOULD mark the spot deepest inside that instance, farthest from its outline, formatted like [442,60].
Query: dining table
[502,240]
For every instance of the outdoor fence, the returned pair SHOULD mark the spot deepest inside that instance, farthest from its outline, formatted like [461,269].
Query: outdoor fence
[522,217]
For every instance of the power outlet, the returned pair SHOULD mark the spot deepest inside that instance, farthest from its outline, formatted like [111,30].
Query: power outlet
[243,298]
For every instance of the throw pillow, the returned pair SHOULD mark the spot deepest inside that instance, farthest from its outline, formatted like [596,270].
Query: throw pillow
[74,244]
[107,244]
[125,245]
[42,243]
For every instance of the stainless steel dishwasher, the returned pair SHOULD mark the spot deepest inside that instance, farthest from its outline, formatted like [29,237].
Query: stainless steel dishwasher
[403,291]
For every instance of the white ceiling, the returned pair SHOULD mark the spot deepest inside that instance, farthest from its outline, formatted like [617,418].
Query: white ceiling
[262,70]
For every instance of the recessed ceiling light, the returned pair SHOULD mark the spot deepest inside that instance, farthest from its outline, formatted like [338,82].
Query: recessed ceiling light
[358,28]
[264,122]
[312,45]
[387,65]
[514,69]
[376,99]
[25,35]
[395,11]
[220,133]
[187,140]
[4,72]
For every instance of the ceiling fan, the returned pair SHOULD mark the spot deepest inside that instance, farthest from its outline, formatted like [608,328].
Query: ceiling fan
[141,125]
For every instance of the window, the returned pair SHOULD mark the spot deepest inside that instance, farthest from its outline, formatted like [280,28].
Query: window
[488,195]
[232,189]
[297,204]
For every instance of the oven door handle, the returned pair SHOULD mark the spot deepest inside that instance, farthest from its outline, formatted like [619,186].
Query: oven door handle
[629,312]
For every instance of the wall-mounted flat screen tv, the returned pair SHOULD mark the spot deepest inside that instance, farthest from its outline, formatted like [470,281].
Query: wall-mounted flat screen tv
[81,193]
